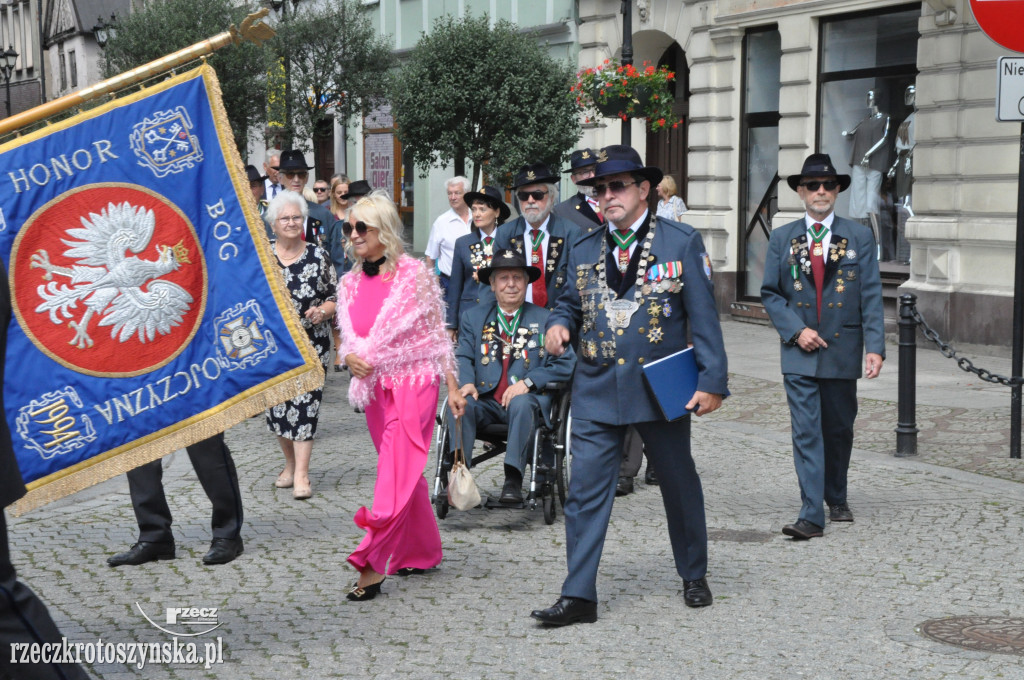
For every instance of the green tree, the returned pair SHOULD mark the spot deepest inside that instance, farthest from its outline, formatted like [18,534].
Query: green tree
[337,64]
[494,96]
[159,27]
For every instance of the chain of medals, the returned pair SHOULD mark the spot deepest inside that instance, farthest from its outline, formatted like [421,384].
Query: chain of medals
[620,311]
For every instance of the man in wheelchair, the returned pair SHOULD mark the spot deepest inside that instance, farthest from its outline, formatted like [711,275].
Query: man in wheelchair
[504,368]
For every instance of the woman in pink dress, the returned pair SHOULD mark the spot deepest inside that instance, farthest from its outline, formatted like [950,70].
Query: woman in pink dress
[391,316]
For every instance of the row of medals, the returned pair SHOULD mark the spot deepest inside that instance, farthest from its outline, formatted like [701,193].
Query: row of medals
[838,251]
[515,348]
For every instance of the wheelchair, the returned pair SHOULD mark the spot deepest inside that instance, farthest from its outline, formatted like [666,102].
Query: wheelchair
[549,475]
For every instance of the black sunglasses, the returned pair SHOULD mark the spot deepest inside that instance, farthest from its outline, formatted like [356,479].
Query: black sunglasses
[617,187]
[829,184]
[319,189]
[361,228]
[535,195]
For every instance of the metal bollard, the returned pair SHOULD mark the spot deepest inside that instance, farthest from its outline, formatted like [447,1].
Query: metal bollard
[906,425]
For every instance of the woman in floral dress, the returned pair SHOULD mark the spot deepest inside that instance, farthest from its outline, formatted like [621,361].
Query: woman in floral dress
[313,283]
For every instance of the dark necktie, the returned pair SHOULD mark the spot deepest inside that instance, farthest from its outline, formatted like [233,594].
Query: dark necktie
[818,232]
[540,291]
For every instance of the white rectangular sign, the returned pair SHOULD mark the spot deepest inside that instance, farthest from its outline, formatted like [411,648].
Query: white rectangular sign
[1010,90]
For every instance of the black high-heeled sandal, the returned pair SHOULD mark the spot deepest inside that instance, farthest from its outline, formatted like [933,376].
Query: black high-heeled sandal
[369,592]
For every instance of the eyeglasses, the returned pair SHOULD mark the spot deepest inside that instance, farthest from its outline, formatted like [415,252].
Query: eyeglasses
[275,167]
[617,187]
[286,220]
[535,195]
[829,184]
[360,227]
[319,190]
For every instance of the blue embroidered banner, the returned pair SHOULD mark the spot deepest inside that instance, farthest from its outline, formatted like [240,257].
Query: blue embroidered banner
[148,310]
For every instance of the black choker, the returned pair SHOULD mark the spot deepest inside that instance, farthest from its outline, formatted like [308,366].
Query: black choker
[373,268]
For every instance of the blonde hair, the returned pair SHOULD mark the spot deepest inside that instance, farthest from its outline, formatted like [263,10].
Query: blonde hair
[670,185]
[377,210]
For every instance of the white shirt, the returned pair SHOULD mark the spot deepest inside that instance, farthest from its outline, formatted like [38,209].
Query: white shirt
[633,228]
[528,248]
[268,189]
[443,234]
[828,235]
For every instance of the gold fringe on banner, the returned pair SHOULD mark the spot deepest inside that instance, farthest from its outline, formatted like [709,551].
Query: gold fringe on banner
[232,411]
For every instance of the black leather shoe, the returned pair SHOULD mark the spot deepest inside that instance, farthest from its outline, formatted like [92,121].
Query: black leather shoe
[624,486]
[566,611]
[512,491]
[143,552]
[650,479]
[223,550]
[802,530]
[697,593]
[840,513]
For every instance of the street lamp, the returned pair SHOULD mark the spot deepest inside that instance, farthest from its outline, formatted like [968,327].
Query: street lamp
[10,57]
[105,31]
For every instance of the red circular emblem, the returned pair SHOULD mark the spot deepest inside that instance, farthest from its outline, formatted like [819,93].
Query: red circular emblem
[108,279]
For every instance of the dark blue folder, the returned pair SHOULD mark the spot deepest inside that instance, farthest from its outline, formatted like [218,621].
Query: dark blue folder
[673,380]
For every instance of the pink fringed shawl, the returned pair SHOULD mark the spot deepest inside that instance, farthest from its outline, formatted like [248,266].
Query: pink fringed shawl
[407,341]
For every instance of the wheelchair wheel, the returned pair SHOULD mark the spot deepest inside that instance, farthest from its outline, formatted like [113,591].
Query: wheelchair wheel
[563,458]
[549,508]
[444,464]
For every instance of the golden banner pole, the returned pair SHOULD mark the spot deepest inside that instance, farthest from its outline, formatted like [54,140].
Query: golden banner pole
[252,29]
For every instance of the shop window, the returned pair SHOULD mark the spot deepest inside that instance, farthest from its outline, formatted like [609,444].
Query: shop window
[762,50]
[868,68]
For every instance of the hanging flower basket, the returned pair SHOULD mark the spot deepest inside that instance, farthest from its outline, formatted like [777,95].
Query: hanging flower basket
[625,92]
[614,107]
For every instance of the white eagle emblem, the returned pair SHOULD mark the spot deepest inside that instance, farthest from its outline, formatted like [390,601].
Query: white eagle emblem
[125,291]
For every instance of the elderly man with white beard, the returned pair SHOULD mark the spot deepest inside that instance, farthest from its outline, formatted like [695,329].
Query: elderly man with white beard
[544,239]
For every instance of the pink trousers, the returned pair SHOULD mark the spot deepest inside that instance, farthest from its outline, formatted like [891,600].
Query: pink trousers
[400,527]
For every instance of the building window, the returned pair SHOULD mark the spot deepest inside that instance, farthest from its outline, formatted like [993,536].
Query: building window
[63,66]
[762,49]
[73,68]
[868,68]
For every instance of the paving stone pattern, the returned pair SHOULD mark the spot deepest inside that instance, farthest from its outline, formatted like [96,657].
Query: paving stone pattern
[931,539]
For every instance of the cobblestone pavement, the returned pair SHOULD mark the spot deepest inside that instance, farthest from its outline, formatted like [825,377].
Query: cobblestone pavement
[932,539]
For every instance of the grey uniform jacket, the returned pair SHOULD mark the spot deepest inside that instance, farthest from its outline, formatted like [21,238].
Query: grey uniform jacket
[576,209]
[561,236]
[464,292]
[851,300]
[479,352]
[608,386]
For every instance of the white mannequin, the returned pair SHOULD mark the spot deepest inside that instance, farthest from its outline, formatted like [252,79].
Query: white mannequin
[902,172]
[868,164]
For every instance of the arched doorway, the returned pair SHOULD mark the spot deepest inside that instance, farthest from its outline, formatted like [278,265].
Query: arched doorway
[666,149]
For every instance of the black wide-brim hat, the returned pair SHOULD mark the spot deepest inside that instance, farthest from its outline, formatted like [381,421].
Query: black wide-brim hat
[818,165]
[581,158]
[292,160]
[491,197]
[617,158]
[253,174]
[535,173]
[357,189]
[507,259]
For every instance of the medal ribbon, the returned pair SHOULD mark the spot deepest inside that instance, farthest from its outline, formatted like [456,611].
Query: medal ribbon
[623,239]
[509,325]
